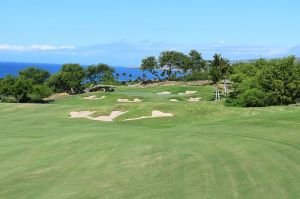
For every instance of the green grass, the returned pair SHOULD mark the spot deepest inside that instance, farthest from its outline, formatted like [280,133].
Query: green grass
[206,151]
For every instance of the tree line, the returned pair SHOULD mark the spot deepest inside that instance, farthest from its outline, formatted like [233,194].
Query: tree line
[173,65]
[34,84]
[251,84]
[265,83]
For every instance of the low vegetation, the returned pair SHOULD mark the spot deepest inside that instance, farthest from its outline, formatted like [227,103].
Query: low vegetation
[266,83]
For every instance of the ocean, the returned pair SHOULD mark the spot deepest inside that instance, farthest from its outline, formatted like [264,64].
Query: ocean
[13,68]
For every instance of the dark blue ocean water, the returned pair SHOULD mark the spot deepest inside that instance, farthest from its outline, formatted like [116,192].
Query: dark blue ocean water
[13,68]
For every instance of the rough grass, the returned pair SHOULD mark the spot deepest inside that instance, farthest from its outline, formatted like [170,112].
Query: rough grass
[206,151]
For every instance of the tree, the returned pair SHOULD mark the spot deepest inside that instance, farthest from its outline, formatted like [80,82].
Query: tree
[108,77]
[69,79]
[56,83]
[197,63]
[93,74]
[224,69]
[36,75]
[172,61]
[96,73]
[215,73]
[150,65]
[17,88]
[124,74]
[130,77]
[117,76]
[22,88]
[7,85]
[266,83]
[144,76]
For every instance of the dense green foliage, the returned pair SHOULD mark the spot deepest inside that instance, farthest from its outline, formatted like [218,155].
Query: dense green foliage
[69,79]
[100,73]
[206,150]
[196,62]
[150,64]
[19,89]
[173,65]
[266,83]
[196,75]
[72,78]
[172,62]
[36,75]
[34,84]
[218,69]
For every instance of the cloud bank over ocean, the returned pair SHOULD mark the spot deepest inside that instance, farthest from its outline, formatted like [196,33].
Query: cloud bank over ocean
[32,47]
[124,53]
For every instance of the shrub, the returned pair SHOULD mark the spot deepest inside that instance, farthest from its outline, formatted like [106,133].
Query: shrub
[265,83]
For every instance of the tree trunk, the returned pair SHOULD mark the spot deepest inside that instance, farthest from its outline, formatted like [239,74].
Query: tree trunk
[225,87]
[216,96]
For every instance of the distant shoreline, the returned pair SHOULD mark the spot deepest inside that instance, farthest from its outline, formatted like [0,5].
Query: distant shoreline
[12,68]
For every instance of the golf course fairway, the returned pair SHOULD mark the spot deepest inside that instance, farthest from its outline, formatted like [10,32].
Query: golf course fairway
[205,150]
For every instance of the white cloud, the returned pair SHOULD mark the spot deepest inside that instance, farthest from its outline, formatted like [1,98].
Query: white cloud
[125,53]
[33,47]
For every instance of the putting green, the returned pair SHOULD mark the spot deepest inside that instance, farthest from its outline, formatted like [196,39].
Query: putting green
[206,150]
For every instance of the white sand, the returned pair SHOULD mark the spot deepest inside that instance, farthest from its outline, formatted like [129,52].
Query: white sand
[164,93]
[155,114]
[194,99]
[87,115]
[109,118]
[161,114]
[93,97]
[129,101]
[81,114]
[188,93]
[173,100]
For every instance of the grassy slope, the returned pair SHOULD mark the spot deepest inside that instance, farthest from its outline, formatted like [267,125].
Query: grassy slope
[205,151]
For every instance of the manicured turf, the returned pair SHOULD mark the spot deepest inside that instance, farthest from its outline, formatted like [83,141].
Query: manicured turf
[206,151]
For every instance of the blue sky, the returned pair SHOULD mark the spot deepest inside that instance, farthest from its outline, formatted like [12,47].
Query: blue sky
[122,32]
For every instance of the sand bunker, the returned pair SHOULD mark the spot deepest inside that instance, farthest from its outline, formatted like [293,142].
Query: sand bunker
[93,97]
[87,115]
[173,100]
[155,114]
[188,93]
[129,101]
[111,117]
[194,99]
[81,114]
[164,93]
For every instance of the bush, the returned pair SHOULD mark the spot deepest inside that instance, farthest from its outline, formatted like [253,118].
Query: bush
[36,75]
[251,98]
[69,79]
[266,83]
[21,90]
[39,92]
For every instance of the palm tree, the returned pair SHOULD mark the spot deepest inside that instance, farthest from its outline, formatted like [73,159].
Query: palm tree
[117,76]
[224,69]
[130,76]
[215,73]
